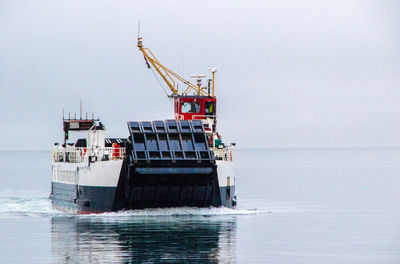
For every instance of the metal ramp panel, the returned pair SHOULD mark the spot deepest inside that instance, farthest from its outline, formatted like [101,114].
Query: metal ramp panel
[169,140]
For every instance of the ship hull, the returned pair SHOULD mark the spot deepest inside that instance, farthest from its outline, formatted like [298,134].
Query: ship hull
[102,199]
[102,187]
[82,199]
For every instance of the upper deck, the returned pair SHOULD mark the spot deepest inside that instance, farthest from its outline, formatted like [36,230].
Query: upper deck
[72,154]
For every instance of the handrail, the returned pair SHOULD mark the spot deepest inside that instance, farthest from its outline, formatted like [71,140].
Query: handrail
[198,117]
[225,154]
[80,154]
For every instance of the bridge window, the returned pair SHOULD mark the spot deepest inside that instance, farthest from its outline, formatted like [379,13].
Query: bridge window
[210,108]
[190,107]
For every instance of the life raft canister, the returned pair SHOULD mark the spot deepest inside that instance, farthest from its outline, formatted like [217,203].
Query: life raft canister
[115,150]
[83,152]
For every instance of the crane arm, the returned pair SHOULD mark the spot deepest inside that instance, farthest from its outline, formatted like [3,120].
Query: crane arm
[162,71]
[168,74]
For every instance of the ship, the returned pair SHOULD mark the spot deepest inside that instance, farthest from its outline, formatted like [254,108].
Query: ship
[181,162]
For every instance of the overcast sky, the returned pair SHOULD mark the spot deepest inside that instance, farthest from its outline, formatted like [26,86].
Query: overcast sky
[290,73]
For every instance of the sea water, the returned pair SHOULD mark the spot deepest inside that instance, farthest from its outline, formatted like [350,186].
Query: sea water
[294,206]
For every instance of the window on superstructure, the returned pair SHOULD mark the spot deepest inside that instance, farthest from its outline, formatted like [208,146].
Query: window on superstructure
[190,107]
[210,108]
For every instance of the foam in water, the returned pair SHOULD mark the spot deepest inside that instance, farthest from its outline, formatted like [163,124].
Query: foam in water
[182,211]
[26,206]
[41,206]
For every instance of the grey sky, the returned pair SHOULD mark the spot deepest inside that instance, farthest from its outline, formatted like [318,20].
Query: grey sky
[290,73]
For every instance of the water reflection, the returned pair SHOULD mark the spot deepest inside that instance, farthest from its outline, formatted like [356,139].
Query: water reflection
[149,239]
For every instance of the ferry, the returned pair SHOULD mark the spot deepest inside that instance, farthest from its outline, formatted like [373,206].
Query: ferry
[162,163]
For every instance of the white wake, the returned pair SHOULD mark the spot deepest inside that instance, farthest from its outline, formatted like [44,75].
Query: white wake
[41,206]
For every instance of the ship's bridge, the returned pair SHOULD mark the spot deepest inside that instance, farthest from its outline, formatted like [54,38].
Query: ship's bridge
[197,108]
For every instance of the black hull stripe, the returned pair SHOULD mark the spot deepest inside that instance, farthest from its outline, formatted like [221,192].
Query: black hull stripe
[102,199]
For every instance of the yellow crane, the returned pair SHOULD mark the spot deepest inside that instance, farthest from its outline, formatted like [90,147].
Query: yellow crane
[168,75]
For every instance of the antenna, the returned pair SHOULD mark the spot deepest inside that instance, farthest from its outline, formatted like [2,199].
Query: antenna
[213,71]
[80,110]
[138,30]
[198,78]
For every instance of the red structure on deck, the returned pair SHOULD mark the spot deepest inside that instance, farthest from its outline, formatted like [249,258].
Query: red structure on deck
[195,107]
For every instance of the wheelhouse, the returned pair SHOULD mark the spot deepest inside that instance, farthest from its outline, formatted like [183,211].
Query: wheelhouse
[195,107]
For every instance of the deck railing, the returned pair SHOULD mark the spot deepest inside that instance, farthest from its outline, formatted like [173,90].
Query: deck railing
[198,117]
[76,155]
[224,153]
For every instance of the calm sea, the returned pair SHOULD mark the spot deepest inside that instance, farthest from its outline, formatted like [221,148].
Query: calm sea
[294,206]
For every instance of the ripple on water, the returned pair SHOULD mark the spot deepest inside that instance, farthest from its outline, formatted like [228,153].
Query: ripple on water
[41,206]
